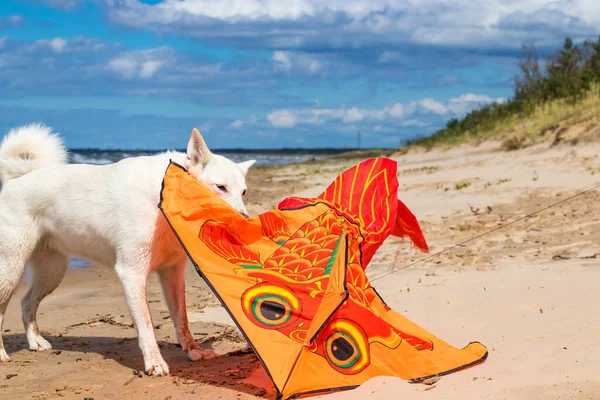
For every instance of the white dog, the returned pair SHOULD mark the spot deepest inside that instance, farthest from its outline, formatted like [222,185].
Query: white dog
[50,210]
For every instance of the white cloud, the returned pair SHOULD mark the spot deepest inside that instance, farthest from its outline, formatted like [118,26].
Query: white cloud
[390,57]
[139,64]
[473,98]
[398,112]
[267,135]
[238,123]
[96,67]
[242,9]
[353,115]
[288,61]
[149,68]
[79,44]
[466,102]
[12,21]
[282,60]
[313,66]
[282,119]
[413,122]
[124,67]
[62,4]
[363,23]
[382,129]
[57,45]
[433,106]
[16,19]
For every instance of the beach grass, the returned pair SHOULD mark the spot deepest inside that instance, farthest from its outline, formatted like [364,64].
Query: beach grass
[546,121]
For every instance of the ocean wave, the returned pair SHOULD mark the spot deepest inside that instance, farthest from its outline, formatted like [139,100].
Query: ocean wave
[81,159]
[99,157]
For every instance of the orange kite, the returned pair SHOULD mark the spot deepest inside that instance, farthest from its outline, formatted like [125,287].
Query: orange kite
[293,281]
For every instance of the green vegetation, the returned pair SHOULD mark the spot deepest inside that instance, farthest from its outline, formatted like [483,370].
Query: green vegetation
[429,170]
[361,154]
[499,182]
[462,185]
[546,100]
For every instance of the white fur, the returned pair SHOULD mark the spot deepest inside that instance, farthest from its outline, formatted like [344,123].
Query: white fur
[27,148]
[107,214]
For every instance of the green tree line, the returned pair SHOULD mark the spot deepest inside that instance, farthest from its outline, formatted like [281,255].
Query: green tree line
[566,75]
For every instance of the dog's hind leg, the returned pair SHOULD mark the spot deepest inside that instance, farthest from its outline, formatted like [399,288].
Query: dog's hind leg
[15,247]
[133,274]
[48,269]
[3,355]
[173,285]
[10,275]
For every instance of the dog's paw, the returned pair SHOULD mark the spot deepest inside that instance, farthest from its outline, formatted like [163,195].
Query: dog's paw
[3,356]
[39,344]
[157,368]
[195,354]
[203,354]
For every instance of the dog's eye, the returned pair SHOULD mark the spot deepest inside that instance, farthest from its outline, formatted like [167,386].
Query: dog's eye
[222,188]
[244,192]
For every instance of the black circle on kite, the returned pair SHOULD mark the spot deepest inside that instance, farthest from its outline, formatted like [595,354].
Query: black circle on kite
[346,346]
[272,311]
[271,306]
[342,349]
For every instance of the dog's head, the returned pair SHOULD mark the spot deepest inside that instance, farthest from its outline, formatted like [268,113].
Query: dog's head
[224,177]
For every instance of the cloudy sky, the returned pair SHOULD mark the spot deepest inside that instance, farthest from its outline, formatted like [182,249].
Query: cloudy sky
[266,73]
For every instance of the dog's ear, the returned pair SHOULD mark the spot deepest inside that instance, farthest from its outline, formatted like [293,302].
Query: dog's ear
[245,166]
[197,150]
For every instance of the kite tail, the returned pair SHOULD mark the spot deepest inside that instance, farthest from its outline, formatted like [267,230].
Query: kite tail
[407,225]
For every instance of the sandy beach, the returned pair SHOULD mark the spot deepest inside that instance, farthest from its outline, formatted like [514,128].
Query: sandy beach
[527,291]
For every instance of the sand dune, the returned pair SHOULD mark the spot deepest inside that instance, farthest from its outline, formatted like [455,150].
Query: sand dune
[528,291]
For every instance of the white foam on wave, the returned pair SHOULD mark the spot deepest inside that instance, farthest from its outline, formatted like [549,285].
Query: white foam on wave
[103,158]
[80,159]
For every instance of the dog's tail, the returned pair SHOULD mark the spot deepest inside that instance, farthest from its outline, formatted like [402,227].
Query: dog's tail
[27,148]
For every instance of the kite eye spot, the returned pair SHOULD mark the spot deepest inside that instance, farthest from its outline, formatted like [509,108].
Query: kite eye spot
[346,347]
[342,350]
[271,306]
[273,310]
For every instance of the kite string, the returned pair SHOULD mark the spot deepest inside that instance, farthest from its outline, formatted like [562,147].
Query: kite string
[486,233]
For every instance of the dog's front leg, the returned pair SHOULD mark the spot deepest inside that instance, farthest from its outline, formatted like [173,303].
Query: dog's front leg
[133,278]
[173,284]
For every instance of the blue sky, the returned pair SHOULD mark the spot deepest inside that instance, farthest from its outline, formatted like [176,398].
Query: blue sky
[266,73]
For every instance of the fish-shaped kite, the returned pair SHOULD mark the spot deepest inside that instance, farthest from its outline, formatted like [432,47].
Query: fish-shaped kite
[293,280]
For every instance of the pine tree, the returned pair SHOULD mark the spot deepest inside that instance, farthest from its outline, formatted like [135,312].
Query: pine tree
[565,72]
[591,68]
[530,85]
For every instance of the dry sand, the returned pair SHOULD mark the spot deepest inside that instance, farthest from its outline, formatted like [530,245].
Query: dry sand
[529,291]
